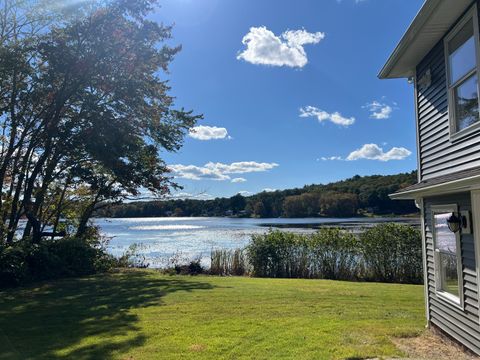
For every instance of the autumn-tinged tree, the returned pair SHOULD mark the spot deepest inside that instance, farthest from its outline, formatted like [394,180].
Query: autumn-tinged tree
[84,111]
[338,204]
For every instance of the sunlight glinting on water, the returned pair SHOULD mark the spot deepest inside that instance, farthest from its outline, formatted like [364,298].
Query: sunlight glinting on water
[159,239]
[166,227]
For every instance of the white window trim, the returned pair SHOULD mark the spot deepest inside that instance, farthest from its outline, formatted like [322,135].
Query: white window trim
[471,14]
[443,295]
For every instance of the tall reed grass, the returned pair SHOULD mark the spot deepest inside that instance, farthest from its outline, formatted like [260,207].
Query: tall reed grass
[229,262]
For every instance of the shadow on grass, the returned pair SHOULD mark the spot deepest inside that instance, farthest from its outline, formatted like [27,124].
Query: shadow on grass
[50,321]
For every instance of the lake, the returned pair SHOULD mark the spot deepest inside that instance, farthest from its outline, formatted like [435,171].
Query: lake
[160,239]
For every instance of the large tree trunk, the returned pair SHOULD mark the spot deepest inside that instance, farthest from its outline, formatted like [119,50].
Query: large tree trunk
[83,223]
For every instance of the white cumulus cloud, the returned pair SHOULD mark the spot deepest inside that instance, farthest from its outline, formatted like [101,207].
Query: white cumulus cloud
[193,172]
[375,152]
[321,115]
[263,47]
[269,190]
[330,158]
[379,110]
[219,171]
[240,167]
[203,132]
[238,180]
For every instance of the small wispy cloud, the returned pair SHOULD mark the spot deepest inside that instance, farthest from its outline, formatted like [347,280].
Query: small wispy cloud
[330,158]
[203,132]
[263,47]
[379,110]
[239,180]
[321,115]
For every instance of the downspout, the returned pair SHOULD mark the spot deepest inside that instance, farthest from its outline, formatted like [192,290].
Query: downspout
[417,128]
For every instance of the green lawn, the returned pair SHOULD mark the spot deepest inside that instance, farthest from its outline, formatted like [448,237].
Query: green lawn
[144,315]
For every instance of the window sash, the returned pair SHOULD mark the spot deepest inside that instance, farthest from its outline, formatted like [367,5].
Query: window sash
[443,276]
[455,101]
[441,286]
[464,78]
[455,133]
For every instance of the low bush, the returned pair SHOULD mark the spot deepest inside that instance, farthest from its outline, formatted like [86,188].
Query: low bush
[387,252]
[13,266]
[329,253]
[392,253]
[25,262]
[336,254]
[194,267]
[275,254]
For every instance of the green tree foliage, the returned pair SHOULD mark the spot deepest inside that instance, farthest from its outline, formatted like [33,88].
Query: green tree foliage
[259,209]
[334,204]
[237,203]
[351,197]
[84,112]
[304,205]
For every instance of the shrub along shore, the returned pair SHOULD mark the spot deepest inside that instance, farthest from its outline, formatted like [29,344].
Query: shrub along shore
[386,253]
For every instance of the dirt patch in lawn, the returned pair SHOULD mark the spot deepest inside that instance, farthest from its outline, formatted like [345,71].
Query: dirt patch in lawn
[433,346]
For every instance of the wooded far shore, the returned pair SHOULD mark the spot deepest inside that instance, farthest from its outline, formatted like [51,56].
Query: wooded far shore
[356,196]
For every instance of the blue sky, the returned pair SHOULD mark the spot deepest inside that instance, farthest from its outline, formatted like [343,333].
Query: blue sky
[297,101]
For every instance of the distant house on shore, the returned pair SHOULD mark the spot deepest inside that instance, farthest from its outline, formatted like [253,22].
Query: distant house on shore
[439,54]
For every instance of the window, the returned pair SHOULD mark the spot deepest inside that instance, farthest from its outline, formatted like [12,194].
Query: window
[462,76]
[448,268]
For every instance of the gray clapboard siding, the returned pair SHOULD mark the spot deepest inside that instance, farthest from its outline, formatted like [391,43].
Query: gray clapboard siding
[438,155]
[461,324]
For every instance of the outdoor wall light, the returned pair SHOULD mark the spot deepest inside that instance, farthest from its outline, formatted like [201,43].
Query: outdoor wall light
[455,223]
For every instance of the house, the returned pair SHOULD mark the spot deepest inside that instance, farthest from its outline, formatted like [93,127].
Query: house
[440,54]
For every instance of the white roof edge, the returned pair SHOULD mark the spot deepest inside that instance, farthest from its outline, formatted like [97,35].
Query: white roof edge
[427,28]
[469,183]
[410,33]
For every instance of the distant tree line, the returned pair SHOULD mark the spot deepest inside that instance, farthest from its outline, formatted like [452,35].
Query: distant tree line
[355,196]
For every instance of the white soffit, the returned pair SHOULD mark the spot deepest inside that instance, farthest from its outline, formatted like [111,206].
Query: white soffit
[433,20]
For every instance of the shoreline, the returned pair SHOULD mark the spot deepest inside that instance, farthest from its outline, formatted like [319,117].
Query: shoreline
[353,224]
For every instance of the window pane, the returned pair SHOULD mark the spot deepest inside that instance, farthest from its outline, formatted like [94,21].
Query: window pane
[461,50]
[449,273]
[445,240]
[466,103]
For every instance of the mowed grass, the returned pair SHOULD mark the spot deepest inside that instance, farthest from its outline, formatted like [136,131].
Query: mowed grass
[145,315]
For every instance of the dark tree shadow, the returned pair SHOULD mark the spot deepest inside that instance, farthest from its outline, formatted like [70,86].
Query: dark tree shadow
[39,322]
